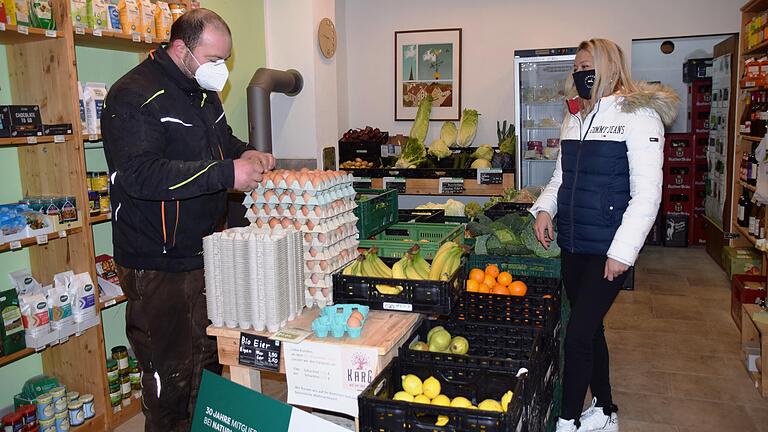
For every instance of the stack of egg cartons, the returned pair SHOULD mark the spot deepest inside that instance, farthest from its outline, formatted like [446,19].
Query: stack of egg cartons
[320,204]
[252,278]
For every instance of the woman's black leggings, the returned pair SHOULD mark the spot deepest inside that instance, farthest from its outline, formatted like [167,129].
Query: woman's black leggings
[586,352]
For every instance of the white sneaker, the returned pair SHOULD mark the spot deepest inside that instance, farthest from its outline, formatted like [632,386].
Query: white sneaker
[566,426]
[595,420]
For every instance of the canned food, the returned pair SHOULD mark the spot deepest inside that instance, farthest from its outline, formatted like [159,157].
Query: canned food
[115,394]
[29,413]
[48,425]
[120,355]
[113,371]
[59,395]
[76,414]
[88,409]
[45,407]
[61,422]
[94,203]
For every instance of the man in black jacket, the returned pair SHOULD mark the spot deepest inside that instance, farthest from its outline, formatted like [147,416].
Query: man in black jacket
[172,156]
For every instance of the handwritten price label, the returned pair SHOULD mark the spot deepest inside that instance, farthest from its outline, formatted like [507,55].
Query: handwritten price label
[42,239]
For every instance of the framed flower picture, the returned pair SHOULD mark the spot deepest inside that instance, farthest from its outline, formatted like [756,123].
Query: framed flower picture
[428,63]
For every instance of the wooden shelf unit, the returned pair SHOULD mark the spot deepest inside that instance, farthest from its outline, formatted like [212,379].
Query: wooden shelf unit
[751,138]
[33,240]
[42,70]
[746,234]
[107,303]
[116,41]
[747,186]
[104,217]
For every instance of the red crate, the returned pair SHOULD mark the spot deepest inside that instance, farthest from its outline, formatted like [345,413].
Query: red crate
[700,146]
[678,148]
[698,235]
[741,295]
[678,201]
[678,177]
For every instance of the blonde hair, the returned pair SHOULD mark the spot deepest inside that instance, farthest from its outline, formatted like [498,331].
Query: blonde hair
[611,73]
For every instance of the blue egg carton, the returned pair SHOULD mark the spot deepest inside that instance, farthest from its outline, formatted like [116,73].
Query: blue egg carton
[333,321]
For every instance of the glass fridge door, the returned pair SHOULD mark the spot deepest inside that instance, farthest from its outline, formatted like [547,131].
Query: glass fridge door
[541,111]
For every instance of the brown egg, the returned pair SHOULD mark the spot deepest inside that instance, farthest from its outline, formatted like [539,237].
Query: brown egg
[318,211]
[310,225]
[321,237]
[290,179]
[292,210]
[312,291]
[324,265]
[354,322]
[297,225]
[357,314]
[268,195]
[313,252]
[286,222]
[316,182]
[325,292]
[315,278]
[305,211]
[304,170]
[306,196]
[259,223]
[273,223]
[303,179]
[308,237]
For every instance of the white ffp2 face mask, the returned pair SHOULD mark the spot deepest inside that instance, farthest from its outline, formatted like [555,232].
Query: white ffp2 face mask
[211,75]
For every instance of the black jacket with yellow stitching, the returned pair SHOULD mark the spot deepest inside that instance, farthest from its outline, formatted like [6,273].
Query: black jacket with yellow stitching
[169,150]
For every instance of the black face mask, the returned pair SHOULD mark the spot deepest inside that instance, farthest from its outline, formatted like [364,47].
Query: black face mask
[584,80]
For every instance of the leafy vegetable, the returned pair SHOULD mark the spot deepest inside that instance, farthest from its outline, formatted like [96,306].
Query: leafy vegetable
[451,207]
[421,122]
[512,234]
[467,128]
[472,209]
[532,243]
[480,163]
[507,139]
[439,149]
[412,155]
[448,133]
[483,152]
[503,160]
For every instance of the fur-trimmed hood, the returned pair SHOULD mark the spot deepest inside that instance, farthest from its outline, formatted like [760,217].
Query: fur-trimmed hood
[658,97]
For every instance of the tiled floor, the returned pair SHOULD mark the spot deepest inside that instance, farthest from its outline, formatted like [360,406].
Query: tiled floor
[675,352]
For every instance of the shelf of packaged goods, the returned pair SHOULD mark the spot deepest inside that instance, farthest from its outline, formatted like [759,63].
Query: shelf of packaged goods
[432,187]
[18,355]
[759,48]
[115,41]
[108,302]
[744,233]
[34,240]
[13,34]
[746,185]
[104,217]
[12,142]
[92,137]
[126,413]
[750,138]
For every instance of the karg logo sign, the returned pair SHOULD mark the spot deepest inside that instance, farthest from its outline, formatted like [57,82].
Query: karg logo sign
[358,371]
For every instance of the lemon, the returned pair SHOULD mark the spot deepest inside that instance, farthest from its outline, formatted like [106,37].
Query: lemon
[461,402]
[412,384]
[441,420]
[431,387]
[422,399]
[506,399]
[490,405]
[441,400]
[403,396]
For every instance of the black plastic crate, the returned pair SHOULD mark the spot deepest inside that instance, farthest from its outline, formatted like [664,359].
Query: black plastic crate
[379,413]
[501,209]
[421,216]
[529,310]
[421,296]
[490,347]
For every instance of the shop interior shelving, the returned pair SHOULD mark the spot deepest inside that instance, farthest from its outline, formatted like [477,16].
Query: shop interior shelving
[42,71]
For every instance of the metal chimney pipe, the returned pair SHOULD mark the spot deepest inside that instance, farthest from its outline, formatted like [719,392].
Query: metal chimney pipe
[263,83]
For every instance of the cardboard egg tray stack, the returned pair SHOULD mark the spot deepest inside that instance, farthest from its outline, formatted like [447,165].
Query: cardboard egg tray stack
[320,205]
[254,279]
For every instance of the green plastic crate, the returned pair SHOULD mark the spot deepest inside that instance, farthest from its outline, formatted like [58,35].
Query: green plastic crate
[375,213]
[391,241]
[519,264]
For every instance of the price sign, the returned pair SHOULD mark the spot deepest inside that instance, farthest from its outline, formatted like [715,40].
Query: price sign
[451,186]
[490,176]
[148,39]
[80,30]
[2,26]
[23,29]
[137,37]
[31,140]
[97,32]
[42,239]
[63,233]
[110,303]
[396,183]
[403,307]
[50,33]
[93,137]
[259,352]
[361,182]
[58,138]
[15,245]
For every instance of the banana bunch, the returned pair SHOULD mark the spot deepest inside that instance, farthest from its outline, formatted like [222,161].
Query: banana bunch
[411,266]
[447,260]
[370,265]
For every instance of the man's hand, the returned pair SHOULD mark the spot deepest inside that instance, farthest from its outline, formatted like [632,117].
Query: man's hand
[248,174]
[544,230]
[266,160]
[614,269]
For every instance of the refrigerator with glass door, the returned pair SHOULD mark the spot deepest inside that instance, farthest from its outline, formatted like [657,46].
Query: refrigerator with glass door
[540,76]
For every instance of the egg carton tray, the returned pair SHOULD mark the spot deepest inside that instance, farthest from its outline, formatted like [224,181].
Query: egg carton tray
[290,197]
[297,210]
[334,321]
[331,265]
[310,222]
[338,182]
[326,253]
[331,236]
[320,297]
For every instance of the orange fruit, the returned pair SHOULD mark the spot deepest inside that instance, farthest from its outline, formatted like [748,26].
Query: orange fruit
[473,285]
[504,278]
[500,289]
[485,289]
[477,275]
[518,288]
[492,270]
[489,280]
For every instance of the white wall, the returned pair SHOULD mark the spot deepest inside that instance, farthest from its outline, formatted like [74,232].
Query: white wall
[650,64]
[492,30]
[304,124]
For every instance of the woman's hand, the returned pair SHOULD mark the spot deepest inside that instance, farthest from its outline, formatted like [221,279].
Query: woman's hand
[614,269]
[543,227]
